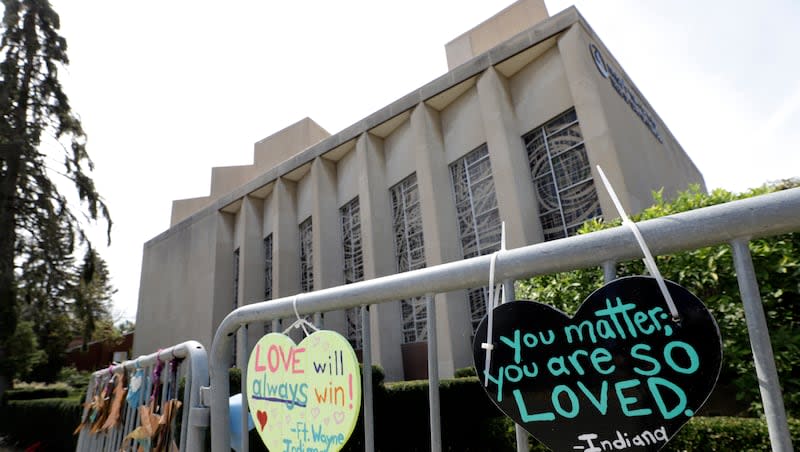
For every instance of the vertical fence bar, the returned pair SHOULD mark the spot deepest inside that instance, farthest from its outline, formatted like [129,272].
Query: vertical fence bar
[433,375]
[186,403]
[609,271]
[520,433]
[241,363]
[366,360]
[764,359]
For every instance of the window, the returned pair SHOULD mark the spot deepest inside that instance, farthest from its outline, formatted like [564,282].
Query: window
[409,249]
[479,222]
[562,176]
[235,294]
[350,218]
[268,276]
[306,257]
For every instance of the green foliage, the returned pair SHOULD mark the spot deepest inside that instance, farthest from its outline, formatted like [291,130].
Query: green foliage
[74,378]
[47,421]
[709,273]
[46,392]
[465,372]
[24,351]
[726,434]
[39,229]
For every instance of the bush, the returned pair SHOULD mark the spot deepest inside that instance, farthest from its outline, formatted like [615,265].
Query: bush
[726,434]
[47,392]
[76,379]
[466,372]
[47,421]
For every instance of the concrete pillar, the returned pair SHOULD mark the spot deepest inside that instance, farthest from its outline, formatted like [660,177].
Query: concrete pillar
[326,237]
[377,245]
[251,261]
[285,240]
[223,267]
[439,224]
[512,178]
[587,96]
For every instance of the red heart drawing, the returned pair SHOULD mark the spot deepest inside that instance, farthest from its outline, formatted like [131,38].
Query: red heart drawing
[262,418]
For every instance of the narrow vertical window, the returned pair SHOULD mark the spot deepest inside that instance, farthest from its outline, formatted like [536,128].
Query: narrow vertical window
[306,257]
[235,293]
[350,218]
[409,253]
[479,222]
[268,276]
[562,176]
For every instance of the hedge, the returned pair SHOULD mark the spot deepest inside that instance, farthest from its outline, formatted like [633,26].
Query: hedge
[47,421]
[36,393]
[470,422]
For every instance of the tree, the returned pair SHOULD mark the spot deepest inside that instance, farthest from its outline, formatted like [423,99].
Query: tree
[709,273]
[39,229]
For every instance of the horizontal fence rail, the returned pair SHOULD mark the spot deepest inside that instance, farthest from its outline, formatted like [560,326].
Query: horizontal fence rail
[193,361]
[730,223]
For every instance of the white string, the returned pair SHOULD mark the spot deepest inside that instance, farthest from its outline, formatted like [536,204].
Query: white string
[489,344]
[649,261]
[300,322]
[494,294]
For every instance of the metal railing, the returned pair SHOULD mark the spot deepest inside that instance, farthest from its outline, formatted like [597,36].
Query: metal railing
[734,223]
[193,366]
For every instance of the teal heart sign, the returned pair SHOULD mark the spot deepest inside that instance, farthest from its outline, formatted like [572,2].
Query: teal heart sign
[619,375]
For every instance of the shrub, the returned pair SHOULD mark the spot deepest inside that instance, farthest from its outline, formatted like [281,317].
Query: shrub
[77,379]
[47,421]
[36,393]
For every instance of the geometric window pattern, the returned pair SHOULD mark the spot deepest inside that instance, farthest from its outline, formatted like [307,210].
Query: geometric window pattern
[353,264]
[268,267]
[478,216]
[562,176]
[306,257]
[409,249]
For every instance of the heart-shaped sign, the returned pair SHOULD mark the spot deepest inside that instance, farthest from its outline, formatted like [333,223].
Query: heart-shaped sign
[292,389]
[619,375]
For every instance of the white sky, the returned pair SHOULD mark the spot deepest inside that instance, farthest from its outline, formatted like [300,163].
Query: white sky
[168,89]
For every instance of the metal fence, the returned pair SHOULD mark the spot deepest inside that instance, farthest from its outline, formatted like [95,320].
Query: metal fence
[190,363]
[734,223]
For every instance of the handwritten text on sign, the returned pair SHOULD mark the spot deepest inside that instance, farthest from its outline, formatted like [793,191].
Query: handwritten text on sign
[304,397]
[620,370]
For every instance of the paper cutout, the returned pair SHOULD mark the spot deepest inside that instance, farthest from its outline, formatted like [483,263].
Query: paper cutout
[154,432]
[135,387]
[619,375]
[304,396]
[113,418]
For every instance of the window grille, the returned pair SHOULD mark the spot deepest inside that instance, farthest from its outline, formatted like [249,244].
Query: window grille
[409,253]
[306,257]
[268,275]
[353,264]
[562,176]
[479,222]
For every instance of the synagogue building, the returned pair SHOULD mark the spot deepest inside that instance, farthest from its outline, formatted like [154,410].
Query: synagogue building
[512,133]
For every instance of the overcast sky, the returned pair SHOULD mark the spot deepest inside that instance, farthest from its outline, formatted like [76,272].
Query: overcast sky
[168,89]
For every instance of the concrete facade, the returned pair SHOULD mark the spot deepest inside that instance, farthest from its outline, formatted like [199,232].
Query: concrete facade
[500,89]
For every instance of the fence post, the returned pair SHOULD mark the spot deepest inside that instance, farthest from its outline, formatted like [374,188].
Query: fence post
[433,375]
[242,359]
[609,271]
[366,360]
[764,359]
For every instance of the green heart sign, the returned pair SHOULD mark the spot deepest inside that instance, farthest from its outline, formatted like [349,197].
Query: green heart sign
[305,396]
